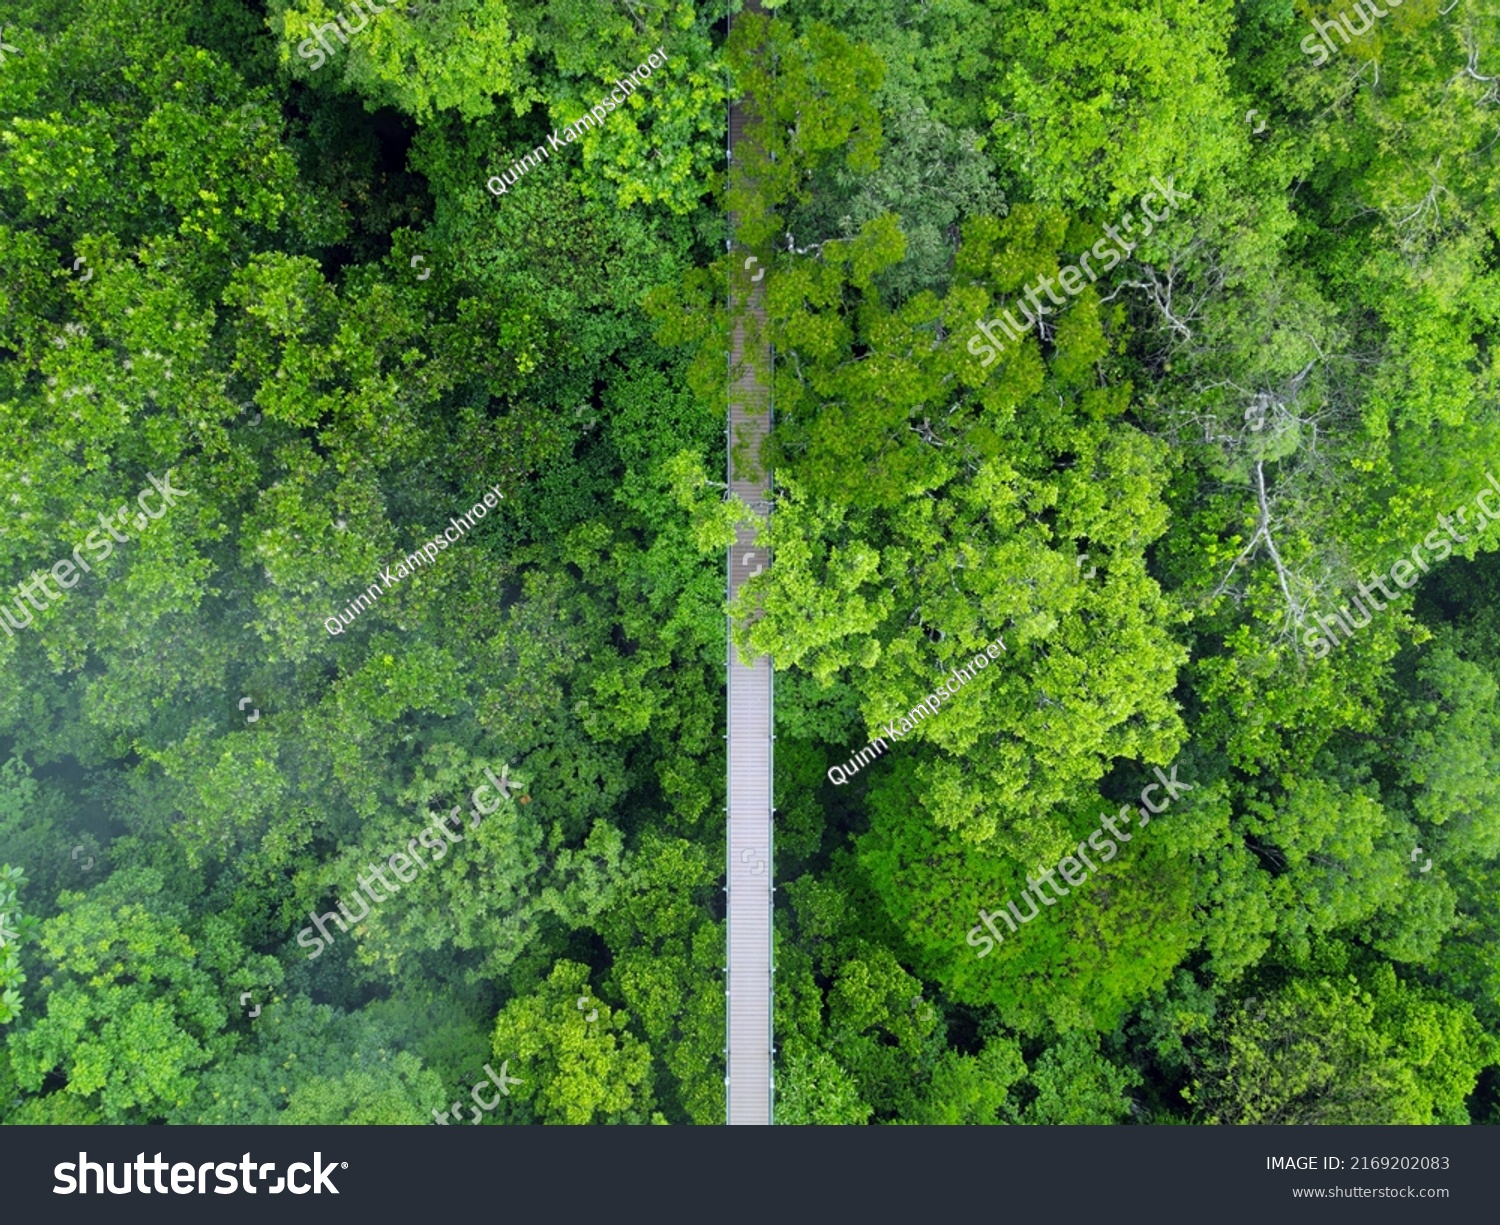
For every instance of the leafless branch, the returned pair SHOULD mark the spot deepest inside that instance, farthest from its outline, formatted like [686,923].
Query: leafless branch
[1264,533]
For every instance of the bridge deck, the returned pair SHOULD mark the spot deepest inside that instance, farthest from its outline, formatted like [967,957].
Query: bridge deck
[748,1053]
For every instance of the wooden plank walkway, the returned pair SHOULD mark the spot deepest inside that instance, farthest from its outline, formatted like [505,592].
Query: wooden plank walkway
[749,987]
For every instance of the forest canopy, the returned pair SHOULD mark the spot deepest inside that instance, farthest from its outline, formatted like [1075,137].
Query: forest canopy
[276,283]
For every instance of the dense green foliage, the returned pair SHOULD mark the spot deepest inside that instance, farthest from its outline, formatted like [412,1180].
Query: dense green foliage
[1275,394]
[284,289]
[254,323]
